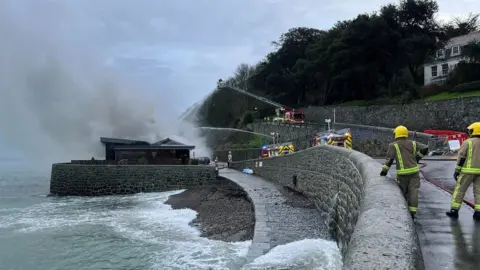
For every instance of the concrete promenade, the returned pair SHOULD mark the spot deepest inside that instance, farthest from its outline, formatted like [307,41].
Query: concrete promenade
[446,244]
[277,221]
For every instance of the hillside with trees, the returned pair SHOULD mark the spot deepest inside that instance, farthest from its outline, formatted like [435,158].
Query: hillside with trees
[376,57]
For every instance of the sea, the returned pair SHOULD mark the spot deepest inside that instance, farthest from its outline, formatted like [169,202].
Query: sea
[122,232]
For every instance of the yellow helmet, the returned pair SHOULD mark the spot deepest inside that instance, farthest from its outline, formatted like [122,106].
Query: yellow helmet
[400,132]
[474,129]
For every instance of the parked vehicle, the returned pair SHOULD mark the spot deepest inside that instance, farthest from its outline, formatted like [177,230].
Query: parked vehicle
[342,138]
[280,149]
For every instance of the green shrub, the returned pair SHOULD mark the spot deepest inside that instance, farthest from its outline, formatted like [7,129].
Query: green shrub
[405,97]
[431,90]
[467,87]
[464,72]
[256,142]
[247,118]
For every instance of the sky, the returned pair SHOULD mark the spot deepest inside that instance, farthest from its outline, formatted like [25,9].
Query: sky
[169,54]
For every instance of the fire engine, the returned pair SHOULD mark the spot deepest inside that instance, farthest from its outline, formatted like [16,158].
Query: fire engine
[289,115]
[342,138]
[294,116]
[273,150]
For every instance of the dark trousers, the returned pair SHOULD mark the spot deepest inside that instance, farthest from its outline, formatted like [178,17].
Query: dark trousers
[228,164]
[409,184]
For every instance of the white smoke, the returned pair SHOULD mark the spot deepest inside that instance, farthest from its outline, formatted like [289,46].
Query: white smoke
[57,97]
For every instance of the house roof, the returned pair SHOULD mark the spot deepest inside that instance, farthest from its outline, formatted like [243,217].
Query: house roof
[121,141]
[168,141]
[463,40]
[447,49]
[173,139]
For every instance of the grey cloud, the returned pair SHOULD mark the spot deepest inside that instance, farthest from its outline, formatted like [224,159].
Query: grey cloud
[57,97]
[169,52]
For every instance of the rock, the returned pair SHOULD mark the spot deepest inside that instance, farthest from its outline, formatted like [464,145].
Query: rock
[224,213]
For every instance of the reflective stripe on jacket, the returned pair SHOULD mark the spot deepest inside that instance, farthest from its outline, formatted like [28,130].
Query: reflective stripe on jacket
[469,151]
[406,167]
[404,151]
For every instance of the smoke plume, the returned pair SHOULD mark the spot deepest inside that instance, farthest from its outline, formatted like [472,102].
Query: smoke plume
[57,96]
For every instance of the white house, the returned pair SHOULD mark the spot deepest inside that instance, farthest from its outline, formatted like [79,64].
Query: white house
[436,71]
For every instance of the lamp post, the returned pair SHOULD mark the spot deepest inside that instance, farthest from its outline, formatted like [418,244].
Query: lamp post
[328,123]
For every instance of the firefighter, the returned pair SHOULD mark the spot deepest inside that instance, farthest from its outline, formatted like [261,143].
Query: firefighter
[348,140]
[467,172]
[330,140]
[406,154]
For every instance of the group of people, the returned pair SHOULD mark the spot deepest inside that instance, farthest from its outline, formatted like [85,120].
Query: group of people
[229,160]
[407,153]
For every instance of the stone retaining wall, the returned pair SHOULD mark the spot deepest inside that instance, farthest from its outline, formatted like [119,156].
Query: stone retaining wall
[287,131]
[374,141]
[367,213]
[451,114]
[97,180]
[237,154]
[370,140]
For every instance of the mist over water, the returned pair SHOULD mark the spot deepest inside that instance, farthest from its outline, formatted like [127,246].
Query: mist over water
[57,96]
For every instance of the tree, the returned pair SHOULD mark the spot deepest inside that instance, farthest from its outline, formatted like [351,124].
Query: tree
[374,55]
[462,26]
[472,52]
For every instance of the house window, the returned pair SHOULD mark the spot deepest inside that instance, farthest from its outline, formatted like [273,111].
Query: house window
[434,71]
[444,69]
[440,53]
[455,50]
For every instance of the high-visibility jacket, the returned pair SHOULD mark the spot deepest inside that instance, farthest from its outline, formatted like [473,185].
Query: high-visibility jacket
[405,153]
[468,160]
[348,141]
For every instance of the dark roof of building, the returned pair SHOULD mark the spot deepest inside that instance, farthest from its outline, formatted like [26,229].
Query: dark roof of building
[122,141]
[168,141]
[123,144]
[154,147]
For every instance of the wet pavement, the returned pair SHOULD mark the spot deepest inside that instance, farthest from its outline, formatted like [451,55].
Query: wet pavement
[440,173]
[446,244]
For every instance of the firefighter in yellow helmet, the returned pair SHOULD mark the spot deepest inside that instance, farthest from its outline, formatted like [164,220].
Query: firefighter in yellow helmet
[406,154]
[467,172]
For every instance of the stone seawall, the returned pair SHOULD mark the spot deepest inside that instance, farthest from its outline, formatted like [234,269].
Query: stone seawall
[370,140]
[451,114]
[97,180]
[367,213]
[287,131]
[237,154]
[373,141]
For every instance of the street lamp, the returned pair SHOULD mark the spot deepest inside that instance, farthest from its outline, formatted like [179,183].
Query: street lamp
[328,123]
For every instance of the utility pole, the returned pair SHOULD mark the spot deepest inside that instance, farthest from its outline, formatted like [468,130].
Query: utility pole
[328,123]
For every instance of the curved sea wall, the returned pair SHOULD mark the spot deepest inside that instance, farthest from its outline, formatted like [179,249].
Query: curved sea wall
[96,180]
[367,213]
[374,141]
[370,140]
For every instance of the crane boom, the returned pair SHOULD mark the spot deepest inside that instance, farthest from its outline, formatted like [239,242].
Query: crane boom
[273,103]
[290,115]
